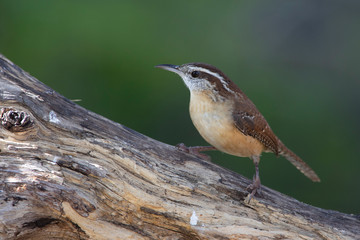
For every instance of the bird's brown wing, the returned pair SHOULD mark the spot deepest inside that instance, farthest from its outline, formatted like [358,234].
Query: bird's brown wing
[251,123]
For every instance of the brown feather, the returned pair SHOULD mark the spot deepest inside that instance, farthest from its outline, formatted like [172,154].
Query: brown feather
[251,123]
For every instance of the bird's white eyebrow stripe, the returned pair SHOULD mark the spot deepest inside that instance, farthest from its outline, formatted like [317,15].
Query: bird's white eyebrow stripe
[208,72]
[224,83]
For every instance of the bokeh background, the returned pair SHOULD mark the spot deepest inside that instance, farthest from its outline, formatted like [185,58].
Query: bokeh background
[297,60]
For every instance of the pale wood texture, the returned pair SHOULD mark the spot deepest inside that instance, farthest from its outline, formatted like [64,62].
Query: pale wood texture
[68,173]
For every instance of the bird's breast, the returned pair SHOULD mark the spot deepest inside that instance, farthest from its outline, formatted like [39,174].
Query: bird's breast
[215,124]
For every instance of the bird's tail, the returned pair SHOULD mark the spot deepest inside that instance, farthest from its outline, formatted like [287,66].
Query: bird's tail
[298,163]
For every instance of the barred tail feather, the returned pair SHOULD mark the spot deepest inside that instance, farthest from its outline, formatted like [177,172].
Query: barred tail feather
[299,163]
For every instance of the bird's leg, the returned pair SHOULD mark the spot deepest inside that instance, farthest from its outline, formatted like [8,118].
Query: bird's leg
[255,187]
[196,150]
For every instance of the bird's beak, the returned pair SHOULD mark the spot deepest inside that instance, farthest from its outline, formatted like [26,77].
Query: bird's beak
[169,67]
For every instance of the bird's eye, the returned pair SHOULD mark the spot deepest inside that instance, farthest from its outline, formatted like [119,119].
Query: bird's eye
[195,74]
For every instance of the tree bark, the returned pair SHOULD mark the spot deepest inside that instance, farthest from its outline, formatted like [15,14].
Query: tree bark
[68,173]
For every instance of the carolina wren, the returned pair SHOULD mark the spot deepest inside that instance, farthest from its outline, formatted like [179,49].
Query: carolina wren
[227,119]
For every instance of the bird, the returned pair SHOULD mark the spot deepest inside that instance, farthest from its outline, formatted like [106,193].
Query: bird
[229,121]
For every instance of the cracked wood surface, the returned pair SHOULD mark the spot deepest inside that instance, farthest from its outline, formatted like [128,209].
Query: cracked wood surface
[68,173]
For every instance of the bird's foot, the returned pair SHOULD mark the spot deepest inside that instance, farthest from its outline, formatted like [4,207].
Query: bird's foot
[196,150]
[254,188]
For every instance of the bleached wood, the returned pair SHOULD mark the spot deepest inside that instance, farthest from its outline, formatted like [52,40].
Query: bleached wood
[68,173]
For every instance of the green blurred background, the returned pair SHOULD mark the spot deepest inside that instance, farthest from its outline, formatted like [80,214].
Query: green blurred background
[297,60]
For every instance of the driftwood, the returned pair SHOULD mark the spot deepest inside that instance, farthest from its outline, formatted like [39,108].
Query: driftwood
[68,173]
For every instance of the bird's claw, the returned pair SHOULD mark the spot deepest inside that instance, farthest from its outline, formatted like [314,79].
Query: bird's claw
[196,150]
[254,188]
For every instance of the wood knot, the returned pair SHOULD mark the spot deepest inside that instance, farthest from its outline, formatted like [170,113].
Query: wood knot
[14,120]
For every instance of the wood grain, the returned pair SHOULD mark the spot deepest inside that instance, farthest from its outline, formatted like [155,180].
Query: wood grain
[68,173]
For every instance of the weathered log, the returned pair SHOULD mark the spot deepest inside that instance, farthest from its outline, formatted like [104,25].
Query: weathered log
[68,173]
